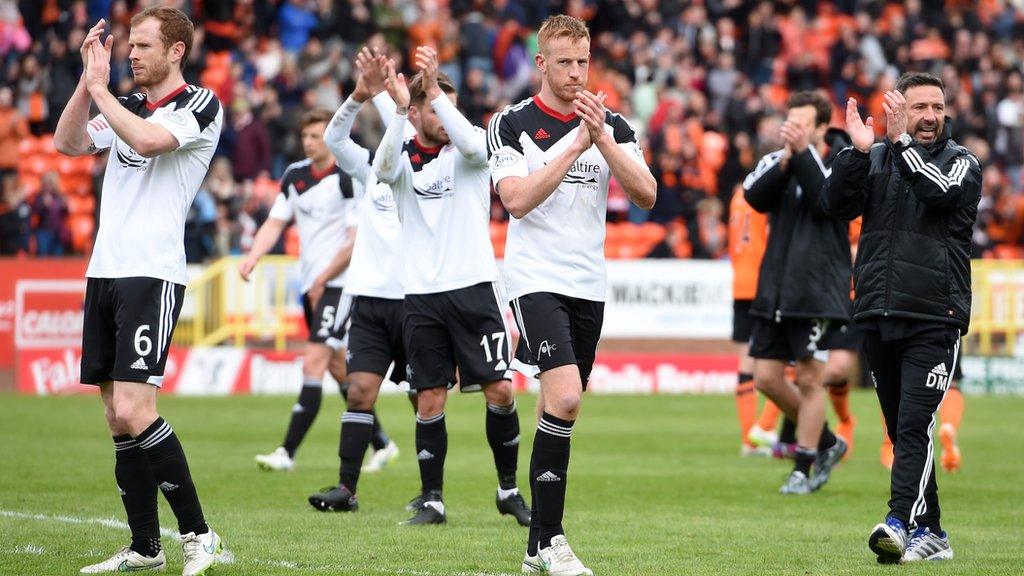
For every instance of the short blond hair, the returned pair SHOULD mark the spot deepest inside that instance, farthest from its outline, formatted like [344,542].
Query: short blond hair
[561,25]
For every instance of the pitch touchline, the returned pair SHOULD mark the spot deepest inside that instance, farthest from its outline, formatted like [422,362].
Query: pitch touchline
[118,524]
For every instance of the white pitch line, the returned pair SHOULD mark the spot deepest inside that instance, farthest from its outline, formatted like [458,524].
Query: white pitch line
[286,564]
[108,522]
[29,549]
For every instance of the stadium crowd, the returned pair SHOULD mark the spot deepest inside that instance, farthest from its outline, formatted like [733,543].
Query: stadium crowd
[705,83]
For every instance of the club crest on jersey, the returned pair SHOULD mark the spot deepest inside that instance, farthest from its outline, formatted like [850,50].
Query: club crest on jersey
[502,159]
[129,158]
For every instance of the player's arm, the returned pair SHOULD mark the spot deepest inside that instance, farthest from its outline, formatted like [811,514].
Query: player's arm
[620,149]
[846,189]
[763,188]
[956,187]
[270,232]
[385,107]
[387,162]
[147,138]
[519,189]
[337,265]
[467,140]
[352,158]
[71,136]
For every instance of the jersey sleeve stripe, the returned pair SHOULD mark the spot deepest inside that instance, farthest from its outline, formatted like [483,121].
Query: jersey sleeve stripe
[199,100]
[494,126]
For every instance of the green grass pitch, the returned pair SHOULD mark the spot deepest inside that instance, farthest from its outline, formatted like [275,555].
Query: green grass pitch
[655,487]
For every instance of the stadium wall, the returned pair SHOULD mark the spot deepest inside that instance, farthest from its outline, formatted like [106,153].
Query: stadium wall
[667,321]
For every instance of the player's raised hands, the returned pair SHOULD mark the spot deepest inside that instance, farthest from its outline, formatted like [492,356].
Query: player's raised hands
[372,68]
[97,71]
[95,33]
[396,87]
[895,106]
[862,132]
[426,63]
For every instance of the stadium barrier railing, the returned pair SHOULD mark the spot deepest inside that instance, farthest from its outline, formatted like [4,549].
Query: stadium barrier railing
[221,308]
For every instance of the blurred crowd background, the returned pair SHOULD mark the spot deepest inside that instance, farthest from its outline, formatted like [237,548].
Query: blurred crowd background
[704,82]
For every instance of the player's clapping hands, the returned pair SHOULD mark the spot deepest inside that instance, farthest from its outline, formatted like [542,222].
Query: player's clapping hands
[895,106]
[396,87]
[91,38]
[590,109]
[426,62]
[796,138]
[862,133]
[372,66]
[97,66]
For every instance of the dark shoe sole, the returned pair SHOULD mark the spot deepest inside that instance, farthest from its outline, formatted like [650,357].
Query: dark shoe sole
[885,547]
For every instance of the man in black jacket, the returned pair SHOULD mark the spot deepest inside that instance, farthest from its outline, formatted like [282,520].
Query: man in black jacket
[918,192]
[804,283]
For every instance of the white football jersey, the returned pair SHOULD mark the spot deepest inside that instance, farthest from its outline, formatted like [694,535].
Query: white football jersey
[323,206]
[376,268]
[145,201]
[444,200]
[559,245]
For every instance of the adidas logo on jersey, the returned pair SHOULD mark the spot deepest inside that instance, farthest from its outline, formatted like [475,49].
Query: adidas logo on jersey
[548,476]
[140,364]
[938,378]
[416,158]
[424,455]
[541,134]
[167,486]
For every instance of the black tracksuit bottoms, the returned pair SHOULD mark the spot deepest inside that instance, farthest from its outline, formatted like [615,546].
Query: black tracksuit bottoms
[911,374]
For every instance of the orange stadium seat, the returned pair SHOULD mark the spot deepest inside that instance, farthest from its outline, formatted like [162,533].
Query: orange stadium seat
[77,186]
[82,227]
[45,145]
[27,146]
[65,165]
[78,204]
[34,165]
